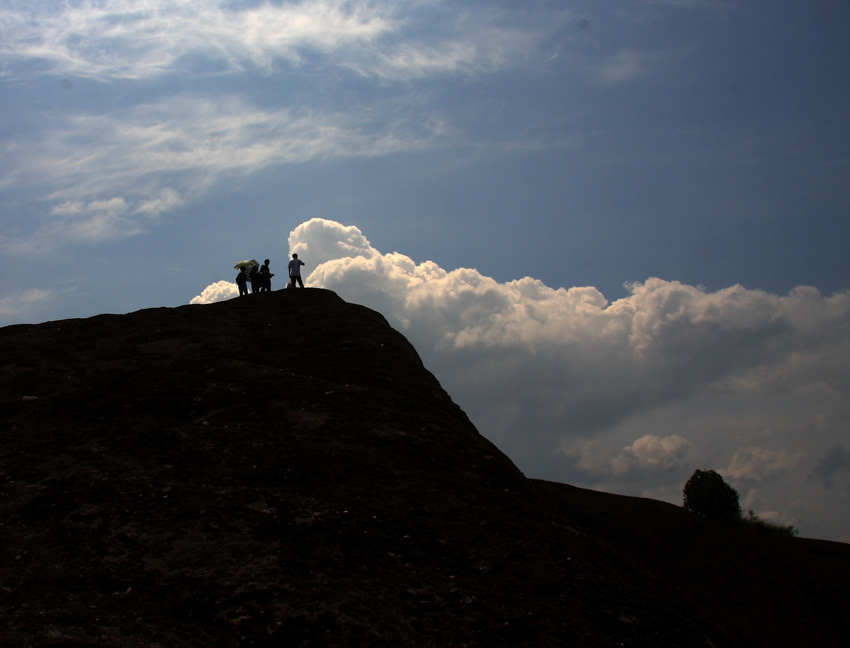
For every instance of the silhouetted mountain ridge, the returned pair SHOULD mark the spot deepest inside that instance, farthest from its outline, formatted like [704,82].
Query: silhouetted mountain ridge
[282,470]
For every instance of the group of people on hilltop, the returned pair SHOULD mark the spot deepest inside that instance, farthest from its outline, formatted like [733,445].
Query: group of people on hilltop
[260,277]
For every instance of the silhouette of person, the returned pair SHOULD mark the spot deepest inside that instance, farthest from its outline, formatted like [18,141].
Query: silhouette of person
[265,277]
[256,280]
[295,271]
[242,281]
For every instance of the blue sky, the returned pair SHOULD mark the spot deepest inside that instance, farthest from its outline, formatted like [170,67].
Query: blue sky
[562,173]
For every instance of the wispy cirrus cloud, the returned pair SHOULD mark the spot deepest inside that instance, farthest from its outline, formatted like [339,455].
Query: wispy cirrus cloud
[19,305]
[101,174]
[129,40]
[93,221]
[630,65]
[158,151]
[126,40]
[691,4]
[167,200]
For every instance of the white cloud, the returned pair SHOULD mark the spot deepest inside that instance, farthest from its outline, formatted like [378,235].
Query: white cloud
[126,40]
[19,304]
[169,152]
[123,39]
[167,200]
[219,291]
[191,133]
[79,208]
[556,377]
[92,222]
[159,155]
[324,241]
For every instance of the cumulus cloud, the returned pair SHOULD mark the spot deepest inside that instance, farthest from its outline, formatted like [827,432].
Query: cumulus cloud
[651,452]
[760,463]
[604,360]
[664,341]
[557,376]
[219,291]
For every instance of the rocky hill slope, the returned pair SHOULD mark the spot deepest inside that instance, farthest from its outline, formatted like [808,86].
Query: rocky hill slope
[281,470]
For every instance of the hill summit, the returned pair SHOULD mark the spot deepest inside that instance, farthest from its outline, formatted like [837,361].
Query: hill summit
[282,470]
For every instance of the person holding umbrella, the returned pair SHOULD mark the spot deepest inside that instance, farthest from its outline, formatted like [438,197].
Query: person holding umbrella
[242,277]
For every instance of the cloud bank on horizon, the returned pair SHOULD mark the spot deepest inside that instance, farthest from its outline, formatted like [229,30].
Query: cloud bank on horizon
[629,396]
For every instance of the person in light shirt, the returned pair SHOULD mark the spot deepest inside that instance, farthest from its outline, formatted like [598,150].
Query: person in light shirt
[295,271]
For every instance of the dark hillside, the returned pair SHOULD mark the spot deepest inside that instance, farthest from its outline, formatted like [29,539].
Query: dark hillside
[770,590]
[281,470]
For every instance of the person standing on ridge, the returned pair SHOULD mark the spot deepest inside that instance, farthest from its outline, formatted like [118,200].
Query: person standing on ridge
[242,281]
[265,277]
[295,271]
[255,279]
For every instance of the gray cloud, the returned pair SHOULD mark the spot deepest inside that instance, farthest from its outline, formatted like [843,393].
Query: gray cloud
[758,464]
[651,453]
[834,463]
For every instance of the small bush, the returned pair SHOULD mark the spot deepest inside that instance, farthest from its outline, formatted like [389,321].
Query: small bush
[708,495]
[756,522]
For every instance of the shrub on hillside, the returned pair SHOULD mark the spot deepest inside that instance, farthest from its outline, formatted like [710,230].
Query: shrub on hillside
[756,522]
[707,494]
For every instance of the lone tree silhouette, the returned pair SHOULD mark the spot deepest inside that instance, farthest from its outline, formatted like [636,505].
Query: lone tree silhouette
[708,495]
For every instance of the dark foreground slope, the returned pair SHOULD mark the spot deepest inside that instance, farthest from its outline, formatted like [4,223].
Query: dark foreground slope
[281,470]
